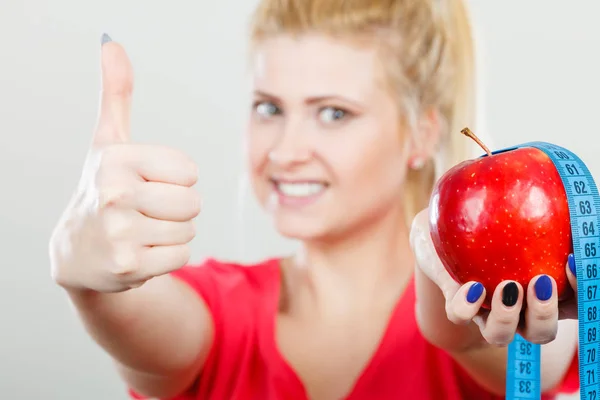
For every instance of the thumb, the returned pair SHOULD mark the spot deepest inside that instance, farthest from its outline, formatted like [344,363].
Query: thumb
[426,256]
[115,100]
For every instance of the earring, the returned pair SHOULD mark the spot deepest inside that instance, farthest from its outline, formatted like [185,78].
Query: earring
[417,162]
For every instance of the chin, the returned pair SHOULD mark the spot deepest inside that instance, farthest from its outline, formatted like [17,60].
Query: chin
[300,227]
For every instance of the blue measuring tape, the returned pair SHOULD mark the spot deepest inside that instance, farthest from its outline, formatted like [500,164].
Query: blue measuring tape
[523,366]
[523,370]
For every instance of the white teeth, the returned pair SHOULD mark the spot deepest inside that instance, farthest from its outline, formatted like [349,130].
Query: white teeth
[300,189]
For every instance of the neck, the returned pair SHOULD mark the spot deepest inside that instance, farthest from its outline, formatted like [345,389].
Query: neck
[372,262]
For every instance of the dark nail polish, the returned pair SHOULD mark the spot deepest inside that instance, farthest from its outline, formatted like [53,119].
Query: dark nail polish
[543,288]
[572,266]
[474,292]
[510,294]
[105,39]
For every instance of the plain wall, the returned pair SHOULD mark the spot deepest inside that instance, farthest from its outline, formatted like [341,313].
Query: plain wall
[541,83]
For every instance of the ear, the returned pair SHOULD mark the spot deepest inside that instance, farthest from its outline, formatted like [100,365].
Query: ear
[426,139]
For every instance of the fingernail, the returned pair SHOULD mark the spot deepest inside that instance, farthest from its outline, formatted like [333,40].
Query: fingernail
[510,294]
[105,39]
[543,288]
[474,292]
[572,266]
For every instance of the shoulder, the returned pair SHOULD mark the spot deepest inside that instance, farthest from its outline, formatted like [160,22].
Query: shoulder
[240,298]
[230,272]
[216,280]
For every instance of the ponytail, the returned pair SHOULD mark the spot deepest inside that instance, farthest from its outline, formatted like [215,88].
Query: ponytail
[456,112]
[462,110]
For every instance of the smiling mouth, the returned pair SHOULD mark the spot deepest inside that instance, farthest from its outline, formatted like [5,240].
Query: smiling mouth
[299,189]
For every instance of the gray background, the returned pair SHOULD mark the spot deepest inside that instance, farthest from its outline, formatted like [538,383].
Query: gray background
[540,79]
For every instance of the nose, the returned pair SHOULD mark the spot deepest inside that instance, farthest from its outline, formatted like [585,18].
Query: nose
[292,147]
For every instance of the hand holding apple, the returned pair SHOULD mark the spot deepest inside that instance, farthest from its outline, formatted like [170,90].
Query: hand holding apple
[505,317]
[502,216]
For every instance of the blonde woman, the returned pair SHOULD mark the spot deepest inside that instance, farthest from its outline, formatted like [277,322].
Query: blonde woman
[357,110]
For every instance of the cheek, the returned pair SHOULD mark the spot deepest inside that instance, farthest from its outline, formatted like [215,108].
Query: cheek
[370,180]
[375,165]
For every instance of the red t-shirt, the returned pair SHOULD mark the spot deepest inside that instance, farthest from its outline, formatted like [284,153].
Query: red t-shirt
[245,364]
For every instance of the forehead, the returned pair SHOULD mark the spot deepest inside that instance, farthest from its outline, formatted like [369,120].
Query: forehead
[315,64]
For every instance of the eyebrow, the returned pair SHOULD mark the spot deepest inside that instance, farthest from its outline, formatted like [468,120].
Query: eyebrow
[313,99]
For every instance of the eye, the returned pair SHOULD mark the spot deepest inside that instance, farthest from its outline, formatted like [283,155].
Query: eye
[332,114]
[266,109]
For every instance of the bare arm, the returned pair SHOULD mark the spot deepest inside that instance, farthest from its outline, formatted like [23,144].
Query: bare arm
[484,362]
[159,334]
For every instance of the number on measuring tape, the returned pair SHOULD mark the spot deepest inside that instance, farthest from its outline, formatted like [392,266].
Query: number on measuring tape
[523,368]
[523,373]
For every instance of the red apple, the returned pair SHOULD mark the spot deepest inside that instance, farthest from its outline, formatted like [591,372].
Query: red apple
[502,217]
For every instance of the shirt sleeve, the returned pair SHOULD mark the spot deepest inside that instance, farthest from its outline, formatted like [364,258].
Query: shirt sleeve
[207,280]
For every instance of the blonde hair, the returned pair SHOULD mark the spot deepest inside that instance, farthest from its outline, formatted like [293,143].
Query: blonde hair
[428,58]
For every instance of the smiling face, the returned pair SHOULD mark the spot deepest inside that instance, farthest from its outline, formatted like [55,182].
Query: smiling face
[325,145]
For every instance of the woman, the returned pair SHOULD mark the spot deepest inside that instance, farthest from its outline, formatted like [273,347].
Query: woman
[357,108]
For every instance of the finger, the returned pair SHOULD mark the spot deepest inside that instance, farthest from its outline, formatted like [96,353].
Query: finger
[427,257]
[136,266]
[156,232]
[572,271]
[465,304]
[503,318]
[155,163]
[160,260]
[541,314]
[568,308]
[164,164]
[167,202]
[481,319]
[115,101]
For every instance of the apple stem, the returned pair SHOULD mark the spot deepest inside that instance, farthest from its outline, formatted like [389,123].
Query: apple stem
[467,132]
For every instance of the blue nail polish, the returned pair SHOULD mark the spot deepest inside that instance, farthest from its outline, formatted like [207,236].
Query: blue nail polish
[543,288]
[571,261]
[474,292]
